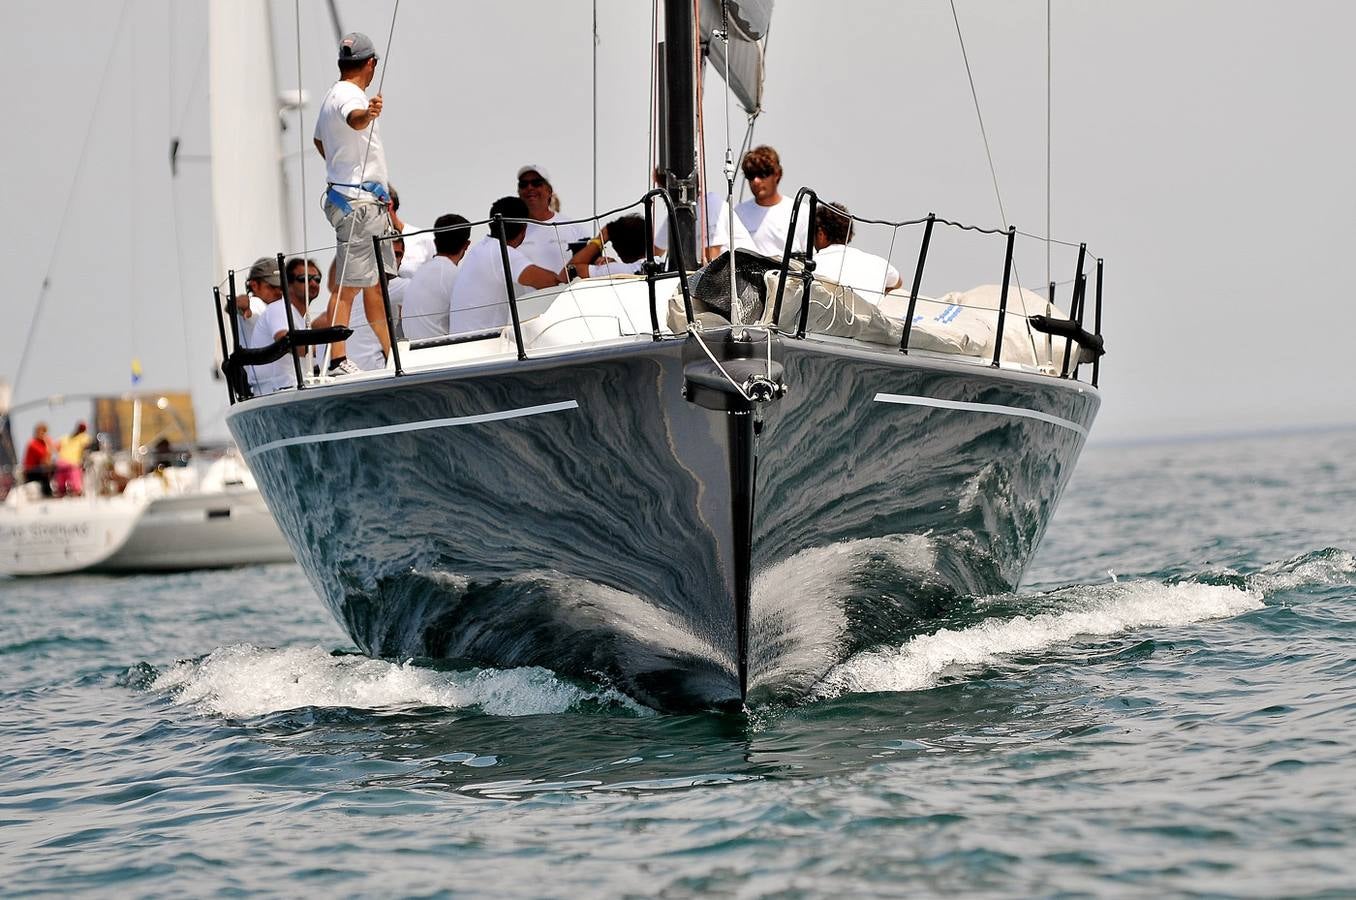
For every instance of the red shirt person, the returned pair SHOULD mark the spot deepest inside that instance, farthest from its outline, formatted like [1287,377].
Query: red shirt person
[38,459]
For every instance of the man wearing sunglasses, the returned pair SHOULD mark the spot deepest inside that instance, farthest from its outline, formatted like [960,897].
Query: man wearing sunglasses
[767,214]
[545,243]
[303,284]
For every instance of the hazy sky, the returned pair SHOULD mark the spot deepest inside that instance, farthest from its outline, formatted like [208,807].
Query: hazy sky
[1202,148]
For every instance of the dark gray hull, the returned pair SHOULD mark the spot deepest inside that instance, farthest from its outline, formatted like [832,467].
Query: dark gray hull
[476,515]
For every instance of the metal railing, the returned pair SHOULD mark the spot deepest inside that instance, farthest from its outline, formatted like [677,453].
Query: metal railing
[652,269]
[806,199]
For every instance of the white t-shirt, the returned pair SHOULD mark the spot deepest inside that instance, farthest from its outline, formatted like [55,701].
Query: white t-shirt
[548,245]
[479,300]
[265,325]
[345,149]
[767,226]
[363,348]
[717,225]
[866,273]
[419,249]
[428,299]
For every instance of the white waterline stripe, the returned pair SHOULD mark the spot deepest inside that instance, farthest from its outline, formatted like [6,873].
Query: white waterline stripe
[982,407]
[414,426]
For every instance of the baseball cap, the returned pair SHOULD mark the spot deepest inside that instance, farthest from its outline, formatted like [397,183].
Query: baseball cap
[265,269]
[356,47]
[534,168]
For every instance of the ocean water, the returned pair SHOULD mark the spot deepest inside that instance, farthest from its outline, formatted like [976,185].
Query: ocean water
[1166,707]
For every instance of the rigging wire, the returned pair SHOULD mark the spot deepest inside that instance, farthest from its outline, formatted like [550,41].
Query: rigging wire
[70,199]
[371,133]
[1050,295]
[993,171]
[1048,170]
[729,157]
[654,94]
[753,116]
[595,114]
[132,210]
[699,164]
[301,161]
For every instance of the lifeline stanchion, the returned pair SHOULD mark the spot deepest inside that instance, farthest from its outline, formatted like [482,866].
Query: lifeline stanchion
[917,283]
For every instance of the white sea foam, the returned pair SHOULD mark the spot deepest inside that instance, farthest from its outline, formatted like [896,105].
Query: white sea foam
[1103,610]
[1319,569]
[242,681]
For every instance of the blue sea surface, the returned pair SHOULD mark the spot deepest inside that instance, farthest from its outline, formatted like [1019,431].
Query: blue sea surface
[1167,706]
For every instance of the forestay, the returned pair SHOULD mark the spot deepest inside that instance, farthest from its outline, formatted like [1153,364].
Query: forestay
[749,21]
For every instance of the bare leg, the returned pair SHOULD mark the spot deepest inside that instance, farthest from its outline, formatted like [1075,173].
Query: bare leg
[375,309]
[339,310]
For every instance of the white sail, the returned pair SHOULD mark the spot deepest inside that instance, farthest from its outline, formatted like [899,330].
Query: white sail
[247,173]
[749,22]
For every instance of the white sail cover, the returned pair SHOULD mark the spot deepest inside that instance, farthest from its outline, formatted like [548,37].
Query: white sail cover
[749,20]
[247,174]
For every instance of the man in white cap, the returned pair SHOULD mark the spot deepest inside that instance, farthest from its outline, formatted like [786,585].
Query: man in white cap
[357,200]
[546,244]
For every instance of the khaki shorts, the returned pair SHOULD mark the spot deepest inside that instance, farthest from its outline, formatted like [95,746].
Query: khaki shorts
[355,263]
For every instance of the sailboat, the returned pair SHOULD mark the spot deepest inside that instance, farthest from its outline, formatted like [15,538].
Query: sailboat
[205,510]
[705,486]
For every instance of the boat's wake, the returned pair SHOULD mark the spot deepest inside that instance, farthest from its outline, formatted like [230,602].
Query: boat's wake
[1063,616]
[243,681]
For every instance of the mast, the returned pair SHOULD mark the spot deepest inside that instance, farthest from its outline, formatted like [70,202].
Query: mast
[678,132]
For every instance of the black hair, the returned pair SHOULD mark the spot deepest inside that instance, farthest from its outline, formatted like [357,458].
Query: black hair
[451,233]
[298,262]
[348,66]
[627,236]
[833,220]
[509,208]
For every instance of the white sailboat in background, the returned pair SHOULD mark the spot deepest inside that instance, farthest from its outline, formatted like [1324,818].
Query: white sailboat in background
[208,512]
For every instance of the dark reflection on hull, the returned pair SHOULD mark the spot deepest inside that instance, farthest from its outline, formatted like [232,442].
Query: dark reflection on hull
[597,541]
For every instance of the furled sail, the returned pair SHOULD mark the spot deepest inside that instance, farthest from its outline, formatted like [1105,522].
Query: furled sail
[247,175]
[749,20]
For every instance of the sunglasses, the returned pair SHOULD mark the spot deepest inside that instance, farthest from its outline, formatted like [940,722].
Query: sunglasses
[530,182]
[302,279]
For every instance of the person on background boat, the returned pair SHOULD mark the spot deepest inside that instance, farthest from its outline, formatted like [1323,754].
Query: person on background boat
[265,283]
[866,273]
[70,462]
[767,214]
[480,297]
[38,459]
[419,247]
[428,299]
[546,244]
[627,236]
[357,202]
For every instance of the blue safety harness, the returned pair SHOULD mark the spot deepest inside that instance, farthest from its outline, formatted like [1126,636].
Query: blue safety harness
[375,188]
